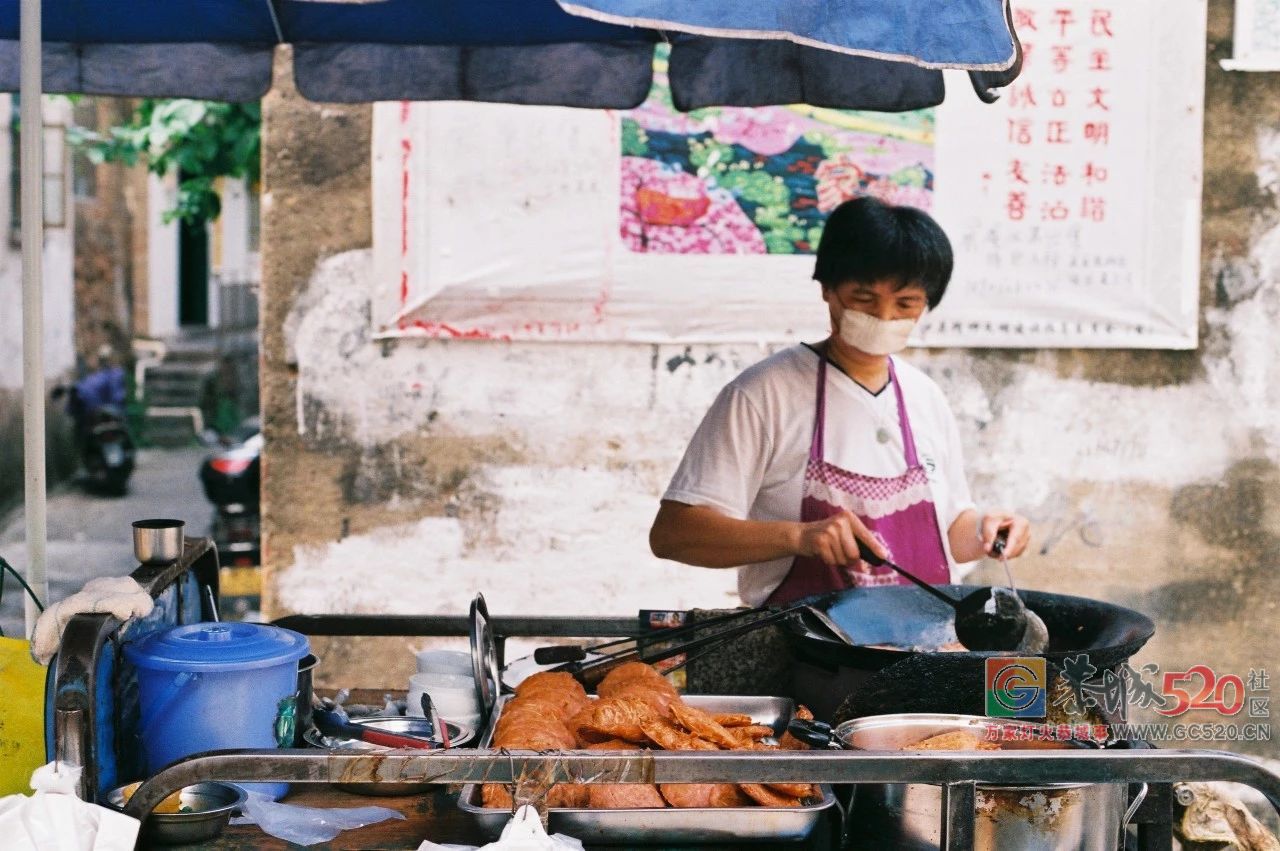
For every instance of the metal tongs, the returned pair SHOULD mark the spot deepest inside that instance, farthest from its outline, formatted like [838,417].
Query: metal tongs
[590,671]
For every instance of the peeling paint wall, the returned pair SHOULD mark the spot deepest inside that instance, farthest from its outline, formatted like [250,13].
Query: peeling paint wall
[59,325]
[403,477]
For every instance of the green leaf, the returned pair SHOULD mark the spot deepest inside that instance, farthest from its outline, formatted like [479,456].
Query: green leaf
[203,140]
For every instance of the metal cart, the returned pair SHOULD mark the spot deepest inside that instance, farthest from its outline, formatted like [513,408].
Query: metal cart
[92,714]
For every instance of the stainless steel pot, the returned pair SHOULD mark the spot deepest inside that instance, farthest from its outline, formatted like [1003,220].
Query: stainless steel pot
[304,722]
[1032,817]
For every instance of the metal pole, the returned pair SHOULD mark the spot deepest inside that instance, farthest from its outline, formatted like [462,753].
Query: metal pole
[30,87]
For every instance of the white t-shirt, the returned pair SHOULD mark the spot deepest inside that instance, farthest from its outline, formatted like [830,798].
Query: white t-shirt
[747,458]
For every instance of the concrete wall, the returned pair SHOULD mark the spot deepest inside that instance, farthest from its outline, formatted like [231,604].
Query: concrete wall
[59,343]
[405,477]
[104,273]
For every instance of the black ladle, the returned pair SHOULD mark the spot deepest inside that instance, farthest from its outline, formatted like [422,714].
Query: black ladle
[977,628]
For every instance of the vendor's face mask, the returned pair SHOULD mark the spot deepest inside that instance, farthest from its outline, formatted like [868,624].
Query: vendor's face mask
[866,333]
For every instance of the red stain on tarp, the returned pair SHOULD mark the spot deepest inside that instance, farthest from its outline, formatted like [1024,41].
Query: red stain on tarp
[443,329]
[406,148]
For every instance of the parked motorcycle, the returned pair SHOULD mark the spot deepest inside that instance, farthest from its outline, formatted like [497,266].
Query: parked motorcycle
[230,479]
[105,447]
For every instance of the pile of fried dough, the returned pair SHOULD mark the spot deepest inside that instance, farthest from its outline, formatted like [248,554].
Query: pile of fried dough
[637,709]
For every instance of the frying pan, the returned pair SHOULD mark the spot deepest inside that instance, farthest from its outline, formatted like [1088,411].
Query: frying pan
[852,680]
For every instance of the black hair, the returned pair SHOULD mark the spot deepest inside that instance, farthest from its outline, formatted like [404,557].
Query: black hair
[867,240]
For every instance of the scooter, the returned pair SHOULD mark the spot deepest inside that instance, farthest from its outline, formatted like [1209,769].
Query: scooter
[230,479]
[106,450]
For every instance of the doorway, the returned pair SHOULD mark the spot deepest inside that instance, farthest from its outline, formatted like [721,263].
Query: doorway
[193,273]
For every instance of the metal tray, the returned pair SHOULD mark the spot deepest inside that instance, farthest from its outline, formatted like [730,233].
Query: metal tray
[672,825]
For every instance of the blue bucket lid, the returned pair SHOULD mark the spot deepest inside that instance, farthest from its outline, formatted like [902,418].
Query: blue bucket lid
[225,646]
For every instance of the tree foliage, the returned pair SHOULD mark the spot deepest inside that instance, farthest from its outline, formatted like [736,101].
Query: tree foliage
[200,140]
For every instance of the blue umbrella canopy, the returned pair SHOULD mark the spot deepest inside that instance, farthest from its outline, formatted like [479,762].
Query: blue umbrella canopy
[969,34]
[513,51]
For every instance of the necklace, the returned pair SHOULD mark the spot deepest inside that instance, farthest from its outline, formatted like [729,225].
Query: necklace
[886,427]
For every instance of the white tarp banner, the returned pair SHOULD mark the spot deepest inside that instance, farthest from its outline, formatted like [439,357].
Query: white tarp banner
[1073,203]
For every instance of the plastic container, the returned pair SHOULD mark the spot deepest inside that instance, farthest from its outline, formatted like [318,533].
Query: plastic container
[454,696]
[209,686]
[444,662]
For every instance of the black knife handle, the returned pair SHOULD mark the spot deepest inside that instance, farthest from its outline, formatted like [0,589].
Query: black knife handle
[558,654]
[1001,541]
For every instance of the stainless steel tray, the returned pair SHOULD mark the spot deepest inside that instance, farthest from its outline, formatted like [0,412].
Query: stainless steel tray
[672,825]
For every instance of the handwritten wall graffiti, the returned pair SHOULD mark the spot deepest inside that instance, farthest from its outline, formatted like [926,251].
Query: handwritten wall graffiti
[760,181]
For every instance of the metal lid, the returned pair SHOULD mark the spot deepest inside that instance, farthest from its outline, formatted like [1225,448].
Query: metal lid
[484,658]
[217,647]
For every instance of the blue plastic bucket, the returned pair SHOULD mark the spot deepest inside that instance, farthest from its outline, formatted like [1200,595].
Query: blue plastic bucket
[211,686]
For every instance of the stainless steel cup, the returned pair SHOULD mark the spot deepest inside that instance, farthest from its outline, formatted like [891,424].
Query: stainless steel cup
[157,541]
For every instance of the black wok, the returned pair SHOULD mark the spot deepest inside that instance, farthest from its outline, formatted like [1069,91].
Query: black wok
[839,681]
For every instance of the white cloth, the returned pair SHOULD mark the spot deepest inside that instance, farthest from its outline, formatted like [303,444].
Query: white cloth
[747,458]
[55,819]
[523,833]
[120,596]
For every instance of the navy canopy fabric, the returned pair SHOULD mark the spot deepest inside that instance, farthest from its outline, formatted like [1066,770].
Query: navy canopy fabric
[970,34]
[510,51]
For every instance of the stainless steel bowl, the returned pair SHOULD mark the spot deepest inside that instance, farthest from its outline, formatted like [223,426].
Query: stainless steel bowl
[458,735]
[1035,816]
[157,541]
[210,803]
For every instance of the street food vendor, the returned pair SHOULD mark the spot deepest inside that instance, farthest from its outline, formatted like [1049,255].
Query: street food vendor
[820,445]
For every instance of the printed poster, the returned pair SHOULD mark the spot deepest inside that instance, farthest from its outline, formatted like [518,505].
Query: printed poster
[1072,203]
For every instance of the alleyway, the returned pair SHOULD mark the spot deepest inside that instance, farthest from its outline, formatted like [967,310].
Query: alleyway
[90,536]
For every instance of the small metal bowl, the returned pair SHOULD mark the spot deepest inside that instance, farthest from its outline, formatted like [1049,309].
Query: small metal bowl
[211,804]
[410,726]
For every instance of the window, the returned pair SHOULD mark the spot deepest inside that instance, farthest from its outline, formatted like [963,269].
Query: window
[54,177]
[84,174]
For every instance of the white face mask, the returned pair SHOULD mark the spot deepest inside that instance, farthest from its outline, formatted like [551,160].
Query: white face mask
[873,336]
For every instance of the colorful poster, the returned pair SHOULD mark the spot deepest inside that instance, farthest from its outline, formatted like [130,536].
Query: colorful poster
[760,181]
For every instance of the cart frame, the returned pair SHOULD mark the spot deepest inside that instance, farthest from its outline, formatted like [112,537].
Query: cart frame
[87,726]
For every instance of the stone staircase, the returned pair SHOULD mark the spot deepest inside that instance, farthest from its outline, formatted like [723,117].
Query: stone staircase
[173,391]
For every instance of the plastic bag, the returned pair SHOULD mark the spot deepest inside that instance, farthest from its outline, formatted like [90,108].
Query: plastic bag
[307,825]
[55,819]
[523,833]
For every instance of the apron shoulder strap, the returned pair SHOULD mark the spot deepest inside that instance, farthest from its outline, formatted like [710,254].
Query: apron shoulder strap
[908,439]
[817,442]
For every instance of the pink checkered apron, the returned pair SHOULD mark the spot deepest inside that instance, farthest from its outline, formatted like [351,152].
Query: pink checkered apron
[899,509]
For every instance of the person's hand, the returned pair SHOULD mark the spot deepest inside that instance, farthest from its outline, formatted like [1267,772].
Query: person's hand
[834,540]
[1019,532]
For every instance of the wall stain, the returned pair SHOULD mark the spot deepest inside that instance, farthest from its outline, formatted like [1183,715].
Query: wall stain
[1240,513]
[681,360]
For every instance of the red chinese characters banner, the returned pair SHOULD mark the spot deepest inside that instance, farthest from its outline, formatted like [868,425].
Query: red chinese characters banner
[1074,210]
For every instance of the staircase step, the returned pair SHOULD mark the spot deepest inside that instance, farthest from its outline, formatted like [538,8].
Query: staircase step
[169,430]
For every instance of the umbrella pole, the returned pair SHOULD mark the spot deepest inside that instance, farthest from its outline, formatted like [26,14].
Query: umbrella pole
[33,392]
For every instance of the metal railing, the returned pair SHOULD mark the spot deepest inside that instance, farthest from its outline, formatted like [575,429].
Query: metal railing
[959,773]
